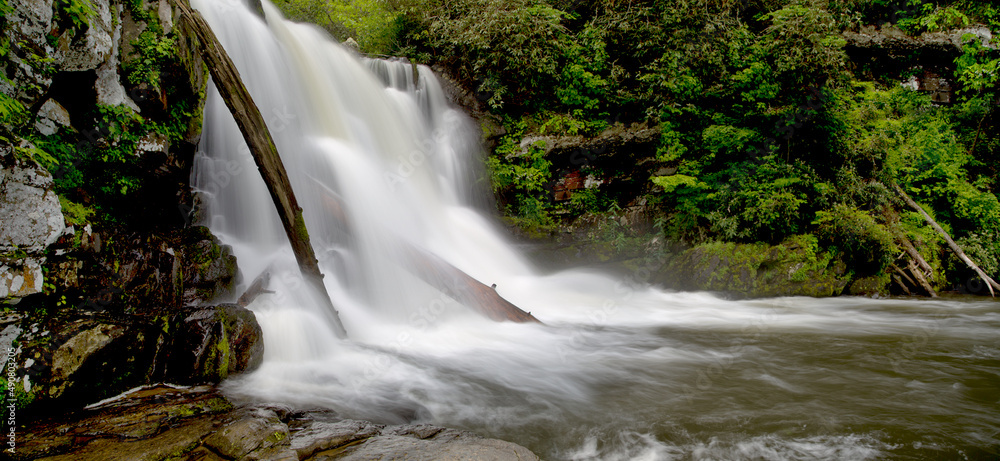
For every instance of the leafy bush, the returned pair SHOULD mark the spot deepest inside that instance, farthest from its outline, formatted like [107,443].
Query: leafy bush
[867,246]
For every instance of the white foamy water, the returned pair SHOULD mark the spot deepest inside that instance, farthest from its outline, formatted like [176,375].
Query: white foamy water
[381,162]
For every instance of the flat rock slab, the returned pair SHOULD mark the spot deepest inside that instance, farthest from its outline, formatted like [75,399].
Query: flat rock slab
[445,445]
[166,422]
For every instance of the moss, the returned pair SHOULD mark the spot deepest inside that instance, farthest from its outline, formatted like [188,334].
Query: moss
[796,267]
[217,405]
[300,226]
[223,354]
[276,437]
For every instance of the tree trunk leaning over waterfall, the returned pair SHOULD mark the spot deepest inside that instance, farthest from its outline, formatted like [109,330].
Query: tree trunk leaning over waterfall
[990,283]
[265,154]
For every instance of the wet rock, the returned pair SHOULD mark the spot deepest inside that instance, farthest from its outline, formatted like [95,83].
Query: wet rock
[214,343]
[146,424]
[78,356]
[259,429]
[444,445]
[167,422]
[209,270]
[323,436]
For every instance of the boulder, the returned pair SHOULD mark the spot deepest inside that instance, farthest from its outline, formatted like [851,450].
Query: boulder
[52,117]
[75,356]
[255,430]
[31,217]
[31,220]
[214,343]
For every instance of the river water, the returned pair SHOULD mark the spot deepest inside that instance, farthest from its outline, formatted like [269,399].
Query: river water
[619,370]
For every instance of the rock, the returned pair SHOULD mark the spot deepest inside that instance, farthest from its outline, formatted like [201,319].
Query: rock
[444,445]
[69,357]
[352,44]
[153,423]
[31,217]
[165,12]
[214,343]
[322,436]
[34,17]
[20,277]
[51,117]
[110,90]
[80,356]
[29,22]
[890,37]
[166,422]
[31,220]
[209,268]
[94,47]
[259,430]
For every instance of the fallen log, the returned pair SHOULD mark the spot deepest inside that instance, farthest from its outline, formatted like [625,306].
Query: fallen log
[922,281]
[990,283]
[265,153]
[912,251]
[462,287]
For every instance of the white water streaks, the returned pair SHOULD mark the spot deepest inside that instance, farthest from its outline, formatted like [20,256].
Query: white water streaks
[381,162]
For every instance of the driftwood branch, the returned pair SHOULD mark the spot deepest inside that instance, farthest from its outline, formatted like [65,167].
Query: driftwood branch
[921,280]
[990,283]
[265,154]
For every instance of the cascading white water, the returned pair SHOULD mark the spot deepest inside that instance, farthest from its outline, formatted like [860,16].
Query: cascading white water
[379,160]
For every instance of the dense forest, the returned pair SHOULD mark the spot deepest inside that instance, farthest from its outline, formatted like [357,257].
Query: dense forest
[778,121]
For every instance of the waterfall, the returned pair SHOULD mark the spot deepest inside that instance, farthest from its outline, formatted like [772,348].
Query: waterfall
[379,162]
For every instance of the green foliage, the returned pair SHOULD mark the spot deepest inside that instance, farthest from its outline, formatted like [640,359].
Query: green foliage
[590,201]
[375,24]
[521,179]
[75,213]
[868,246]
[761,202]
[983,248]
[74,14]
[805,45]
[153,51]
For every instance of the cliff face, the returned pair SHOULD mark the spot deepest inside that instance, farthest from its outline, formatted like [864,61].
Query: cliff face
[104,282]
[99,118]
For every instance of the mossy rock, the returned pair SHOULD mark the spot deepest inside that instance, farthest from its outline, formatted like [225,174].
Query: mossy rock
[796,267]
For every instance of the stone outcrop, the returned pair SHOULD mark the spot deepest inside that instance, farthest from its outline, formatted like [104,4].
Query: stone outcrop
[891,38]
[74,356]
[31,220]
[165,422]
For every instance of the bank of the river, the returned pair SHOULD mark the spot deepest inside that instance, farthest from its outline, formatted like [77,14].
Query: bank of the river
[166,422]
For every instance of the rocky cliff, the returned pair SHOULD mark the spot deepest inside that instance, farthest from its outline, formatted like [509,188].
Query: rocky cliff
[104,282]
